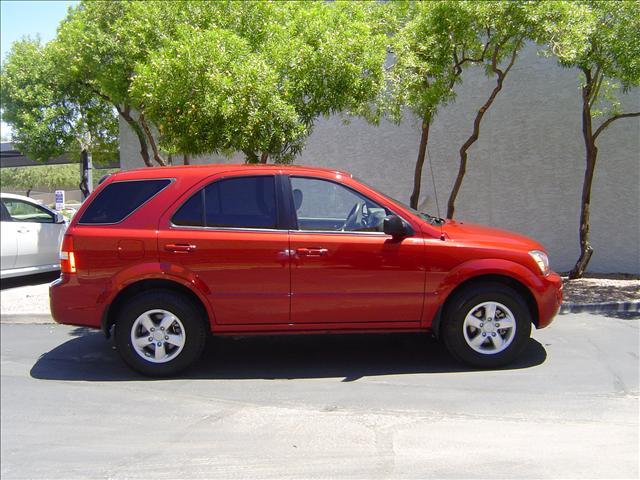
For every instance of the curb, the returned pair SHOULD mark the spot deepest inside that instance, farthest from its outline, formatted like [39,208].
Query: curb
[26,318]
[632,306]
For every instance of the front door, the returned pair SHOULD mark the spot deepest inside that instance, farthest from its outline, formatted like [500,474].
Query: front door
[37,233]
[8,239]
[228,235]
[344,268]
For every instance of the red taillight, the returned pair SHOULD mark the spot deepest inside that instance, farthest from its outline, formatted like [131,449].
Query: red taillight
[67,256]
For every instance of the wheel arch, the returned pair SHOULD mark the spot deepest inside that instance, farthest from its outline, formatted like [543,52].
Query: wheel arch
[111,312]
[506,280]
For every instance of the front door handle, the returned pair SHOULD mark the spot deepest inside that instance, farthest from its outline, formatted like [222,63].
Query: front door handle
[312,252]
[179,247]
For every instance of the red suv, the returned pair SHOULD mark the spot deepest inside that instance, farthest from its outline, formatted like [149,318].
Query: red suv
[168,255]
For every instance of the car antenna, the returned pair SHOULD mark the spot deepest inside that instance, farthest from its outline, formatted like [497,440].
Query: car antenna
[435,194]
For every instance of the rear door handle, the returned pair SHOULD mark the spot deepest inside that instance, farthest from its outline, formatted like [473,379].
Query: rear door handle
[312,252]
[179,247]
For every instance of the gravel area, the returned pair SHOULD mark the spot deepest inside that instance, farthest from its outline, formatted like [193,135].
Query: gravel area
[601,289]
[25,299]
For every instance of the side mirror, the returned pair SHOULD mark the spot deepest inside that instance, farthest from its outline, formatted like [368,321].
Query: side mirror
[395,227]
[60,218]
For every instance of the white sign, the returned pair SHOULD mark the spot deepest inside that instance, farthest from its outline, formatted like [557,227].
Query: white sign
[59,200]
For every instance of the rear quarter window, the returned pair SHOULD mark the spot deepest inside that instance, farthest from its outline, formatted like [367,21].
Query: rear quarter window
[118,200]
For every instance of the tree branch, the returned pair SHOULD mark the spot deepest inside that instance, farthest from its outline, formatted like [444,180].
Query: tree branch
[482,55]
[97,92]
[610,120]
[597,78]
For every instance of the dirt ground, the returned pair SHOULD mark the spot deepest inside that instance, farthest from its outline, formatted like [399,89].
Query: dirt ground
[602,288]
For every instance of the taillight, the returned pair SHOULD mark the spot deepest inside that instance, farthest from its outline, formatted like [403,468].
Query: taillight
[67,256]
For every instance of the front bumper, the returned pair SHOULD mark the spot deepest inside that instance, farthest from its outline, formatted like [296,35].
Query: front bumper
[549,299]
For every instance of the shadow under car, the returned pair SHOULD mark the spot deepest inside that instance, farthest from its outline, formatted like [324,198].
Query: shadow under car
[89,357]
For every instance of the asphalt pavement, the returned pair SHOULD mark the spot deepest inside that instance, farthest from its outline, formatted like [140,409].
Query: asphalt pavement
[353,406]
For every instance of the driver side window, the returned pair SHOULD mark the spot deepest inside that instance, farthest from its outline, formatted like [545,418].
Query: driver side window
[21,211]
[323,205]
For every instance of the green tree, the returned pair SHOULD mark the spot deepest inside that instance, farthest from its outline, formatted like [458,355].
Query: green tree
[211,93]
[431,43]
[609,62]
[257,80]
[112,45]
[49,115]
[504,26]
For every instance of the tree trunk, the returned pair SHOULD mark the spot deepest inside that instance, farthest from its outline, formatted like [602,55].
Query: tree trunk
[29,192]
[85,177]
[144,148]
[585,206]
[152,141]
[186,159]
[462,168]
[417,174]
[264,157]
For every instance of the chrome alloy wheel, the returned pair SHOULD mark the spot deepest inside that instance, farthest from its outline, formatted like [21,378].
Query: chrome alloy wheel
[489,328]
[158,336]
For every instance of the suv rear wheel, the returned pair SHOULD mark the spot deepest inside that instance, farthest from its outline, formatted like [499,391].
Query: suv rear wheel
[486,326]
[160,333]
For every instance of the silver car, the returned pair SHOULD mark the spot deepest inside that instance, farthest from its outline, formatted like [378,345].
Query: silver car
[31,235]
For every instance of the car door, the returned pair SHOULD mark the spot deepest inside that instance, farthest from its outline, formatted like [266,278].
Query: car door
[345,270]
[38,234]
[8,240]
[229,234]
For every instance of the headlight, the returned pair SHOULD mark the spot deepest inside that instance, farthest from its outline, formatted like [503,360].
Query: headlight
[541,259]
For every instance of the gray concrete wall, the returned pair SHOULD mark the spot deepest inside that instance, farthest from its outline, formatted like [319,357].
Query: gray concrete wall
[524,174]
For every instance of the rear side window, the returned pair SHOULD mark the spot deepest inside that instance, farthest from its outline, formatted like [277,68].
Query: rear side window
[119,199]
[243,202]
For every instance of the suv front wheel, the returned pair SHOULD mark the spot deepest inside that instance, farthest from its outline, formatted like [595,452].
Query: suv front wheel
[160,333]
[486,326]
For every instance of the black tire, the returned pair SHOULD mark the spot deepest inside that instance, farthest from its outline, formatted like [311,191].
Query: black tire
[190,317]
[467,301]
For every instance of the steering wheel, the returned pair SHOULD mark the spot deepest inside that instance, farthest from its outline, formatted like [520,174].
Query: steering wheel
[354,219]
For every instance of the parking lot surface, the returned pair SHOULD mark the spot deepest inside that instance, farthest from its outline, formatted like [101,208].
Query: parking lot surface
[358,406]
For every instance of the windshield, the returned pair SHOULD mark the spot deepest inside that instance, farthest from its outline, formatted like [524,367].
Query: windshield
[423,215]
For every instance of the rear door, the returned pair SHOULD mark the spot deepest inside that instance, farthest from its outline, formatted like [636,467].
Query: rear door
[229,233]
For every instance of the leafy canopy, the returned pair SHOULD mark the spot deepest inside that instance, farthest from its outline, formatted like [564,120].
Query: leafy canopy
[208,91]
[432,39]
[601,39]
[51,116]
[280,64]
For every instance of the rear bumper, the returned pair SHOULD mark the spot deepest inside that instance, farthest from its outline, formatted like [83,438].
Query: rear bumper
[549,299]
[75,304]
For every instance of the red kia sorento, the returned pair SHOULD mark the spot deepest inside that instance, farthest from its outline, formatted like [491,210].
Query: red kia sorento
[164,256]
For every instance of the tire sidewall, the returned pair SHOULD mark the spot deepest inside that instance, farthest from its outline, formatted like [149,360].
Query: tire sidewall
[182,308]
[462,304]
